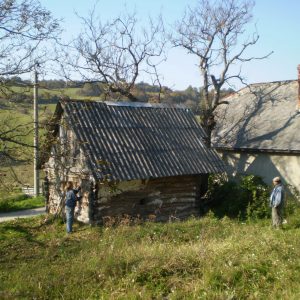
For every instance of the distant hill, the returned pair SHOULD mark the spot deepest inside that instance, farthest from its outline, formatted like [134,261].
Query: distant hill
[19,91]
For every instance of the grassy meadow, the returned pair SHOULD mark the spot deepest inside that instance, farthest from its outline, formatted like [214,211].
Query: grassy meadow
[205,258]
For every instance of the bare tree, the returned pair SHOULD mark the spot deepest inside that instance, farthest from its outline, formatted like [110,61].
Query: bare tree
[25,26]
[12,137]
[212,31]
[116,53]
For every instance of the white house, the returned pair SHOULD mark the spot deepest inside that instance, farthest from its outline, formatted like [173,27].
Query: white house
[258,132]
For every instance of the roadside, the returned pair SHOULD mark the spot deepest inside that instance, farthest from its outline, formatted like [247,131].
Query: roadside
[8,216]
[17,202]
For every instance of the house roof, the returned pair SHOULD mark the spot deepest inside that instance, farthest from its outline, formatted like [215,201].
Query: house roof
[262,117]
[140,141]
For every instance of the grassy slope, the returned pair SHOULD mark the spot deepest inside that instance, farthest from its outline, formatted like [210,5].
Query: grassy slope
[20,114]
[73,93]
[203,259]
[19,202]
[23,113]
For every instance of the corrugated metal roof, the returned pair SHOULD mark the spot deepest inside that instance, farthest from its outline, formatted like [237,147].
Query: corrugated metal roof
[140,141]
[262,117]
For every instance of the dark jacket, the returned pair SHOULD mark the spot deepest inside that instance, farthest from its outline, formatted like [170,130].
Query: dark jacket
[70,198]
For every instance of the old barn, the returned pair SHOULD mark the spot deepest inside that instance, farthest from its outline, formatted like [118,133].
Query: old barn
[129,158]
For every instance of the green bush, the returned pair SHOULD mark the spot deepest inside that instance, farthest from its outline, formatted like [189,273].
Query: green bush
[258,194]
[292,201]
[247,198]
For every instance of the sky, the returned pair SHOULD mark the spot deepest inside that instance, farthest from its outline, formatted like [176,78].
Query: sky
[276,21]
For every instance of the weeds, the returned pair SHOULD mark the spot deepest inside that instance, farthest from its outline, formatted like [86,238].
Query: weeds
[206,258]
[215,257]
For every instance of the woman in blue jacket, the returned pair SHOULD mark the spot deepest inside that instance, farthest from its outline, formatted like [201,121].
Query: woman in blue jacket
[70,204]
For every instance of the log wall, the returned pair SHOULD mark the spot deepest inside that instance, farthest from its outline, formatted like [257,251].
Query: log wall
[160,199]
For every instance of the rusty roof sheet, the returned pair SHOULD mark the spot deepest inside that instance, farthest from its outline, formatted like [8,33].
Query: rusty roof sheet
[263,117]
[140,141]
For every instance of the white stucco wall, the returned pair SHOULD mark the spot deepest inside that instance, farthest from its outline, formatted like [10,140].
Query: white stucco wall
[265,165]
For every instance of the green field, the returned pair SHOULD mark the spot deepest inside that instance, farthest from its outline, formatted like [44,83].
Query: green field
[14,114]
[45,93]
[204,258]
[18,174]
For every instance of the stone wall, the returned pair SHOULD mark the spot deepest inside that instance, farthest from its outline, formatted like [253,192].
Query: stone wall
[67,163]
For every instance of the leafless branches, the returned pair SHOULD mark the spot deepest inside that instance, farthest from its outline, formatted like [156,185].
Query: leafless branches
[24,25]
[116,53]
[212,31]
[13,139]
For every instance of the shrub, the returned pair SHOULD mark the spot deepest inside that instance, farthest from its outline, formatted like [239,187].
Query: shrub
[20,98]
[292,201]
[258,197]
[247,198]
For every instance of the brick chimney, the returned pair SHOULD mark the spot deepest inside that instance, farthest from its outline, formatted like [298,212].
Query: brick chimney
[298,106]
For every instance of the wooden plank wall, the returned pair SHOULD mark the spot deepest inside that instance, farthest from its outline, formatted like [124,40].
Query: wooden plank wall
[160,199]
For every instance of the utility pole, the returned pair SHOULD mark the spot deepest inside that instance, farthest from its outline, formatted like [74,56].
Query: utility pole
[36,133]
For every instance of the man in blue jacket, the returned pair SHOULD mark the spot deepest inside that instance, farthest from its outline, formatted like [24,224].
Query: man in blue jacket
[277,202]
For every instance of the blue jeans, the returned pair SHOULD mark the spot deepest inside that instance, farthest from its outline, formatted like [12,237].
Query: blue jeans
[70,217]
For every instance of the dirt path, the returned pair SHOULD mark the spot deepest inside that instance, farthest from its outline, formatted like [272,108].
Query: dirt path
[21,214]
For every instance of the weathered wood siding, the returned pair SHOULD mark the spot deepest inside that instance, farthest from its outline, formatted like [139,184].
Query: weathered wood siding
[160,199]
[57,195]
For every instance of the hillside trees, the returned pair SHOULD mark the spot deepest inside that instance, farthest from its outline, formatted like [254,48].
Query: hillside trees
[116,53]
[213,31]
